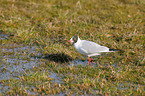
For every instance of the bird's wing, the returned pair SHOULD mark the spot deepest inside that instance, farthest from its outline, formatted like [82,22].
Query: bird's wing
[92,47]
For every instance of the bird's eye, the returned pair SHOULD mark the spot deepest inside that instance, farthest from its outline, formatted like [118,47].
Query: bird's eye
[73,39]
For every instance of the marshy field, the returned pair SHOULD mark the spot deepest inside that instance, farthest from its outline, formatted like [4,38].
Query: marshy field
[36,59]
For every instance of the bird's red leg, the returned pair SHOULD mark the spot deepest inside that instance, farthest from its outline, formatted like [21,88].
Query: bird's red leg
[89,61]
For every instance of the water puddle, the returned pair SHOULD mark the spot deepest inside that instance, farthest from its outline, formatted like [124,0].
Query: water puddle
[55,78]
[93,64]
[12,67]
[126,85]
[121,87]
[17,61]
[3,36]
[81,62]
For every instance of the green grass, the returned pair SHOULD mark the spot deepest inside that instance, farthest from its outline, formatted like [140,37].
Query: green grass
[117,24]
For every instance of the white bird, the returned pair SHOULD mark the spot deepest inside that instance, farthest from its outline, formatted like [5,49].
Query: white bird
[89,48]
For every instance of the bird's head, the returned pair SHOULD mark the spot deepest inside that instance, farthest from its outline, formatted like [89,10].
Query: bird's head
[74,39]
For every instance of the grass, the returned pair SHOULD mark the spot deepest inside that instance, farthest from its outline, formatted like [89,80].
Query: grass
[117,24]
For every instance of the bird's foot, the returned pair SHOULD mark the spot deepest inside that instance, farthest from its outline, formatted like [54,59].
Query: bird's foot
[89,61]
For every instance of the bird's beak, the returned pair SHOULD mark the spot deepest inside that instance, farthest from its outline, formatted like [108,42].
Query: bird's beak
[70,41]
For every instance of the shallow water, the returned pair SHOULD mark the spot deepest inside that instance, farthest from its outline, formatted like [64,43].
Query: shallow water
[80,62]
[3,36]
[15,61]
[92,64]
[13,64]
[55,78]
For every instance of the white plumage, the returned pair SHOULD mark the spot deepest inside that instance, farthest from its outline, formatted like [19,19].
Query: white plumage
[88,48]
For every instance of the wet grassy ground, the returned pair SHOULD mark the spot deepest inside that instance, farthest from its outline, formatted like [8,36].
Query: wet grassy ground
[37,60]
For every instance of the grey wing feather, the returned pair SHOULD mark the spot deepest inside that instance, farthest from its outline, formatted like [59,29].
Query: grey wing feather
[92,47]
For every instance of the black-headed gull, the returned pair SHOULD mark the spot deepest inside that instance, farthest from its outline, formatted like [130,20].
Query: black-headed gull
[89,48]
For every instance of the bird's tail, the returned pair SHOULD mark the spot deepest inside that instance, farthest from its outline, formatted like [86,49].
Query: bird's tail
[114,50]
